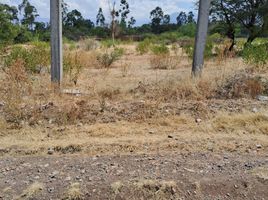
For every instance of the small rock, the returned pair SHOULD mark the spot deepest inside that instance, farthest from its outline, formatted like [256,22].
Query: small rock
[259,146]
[50,151]
[262,98]
[68,178]
[170,136]
[50,190]
[198,121]
[255,110]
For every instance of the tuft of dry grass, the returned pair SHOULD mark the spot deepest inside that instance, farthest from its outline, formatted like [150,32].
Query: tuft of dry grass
[249,122]
[32,191]
[74,192]
[157,190]
[164,61]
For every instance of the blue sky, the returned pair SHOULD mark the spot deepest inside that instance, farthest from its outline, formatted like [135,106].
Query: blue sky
[140,9]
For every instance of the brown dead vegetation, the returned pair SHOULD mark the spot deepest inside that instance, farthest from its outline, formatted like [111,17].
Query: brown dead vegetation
[132,98]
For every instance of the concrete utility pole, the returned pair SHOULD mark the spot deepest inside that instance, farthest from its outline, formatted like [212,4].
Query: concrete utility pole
[201,37]
[56,41]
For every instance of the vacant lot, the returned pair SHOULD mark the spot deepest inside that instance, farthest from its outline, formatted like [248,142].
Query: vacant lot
[139,128]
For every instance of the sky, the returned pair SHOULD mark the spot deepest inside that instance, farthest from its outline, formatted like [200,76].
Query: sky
[140,9]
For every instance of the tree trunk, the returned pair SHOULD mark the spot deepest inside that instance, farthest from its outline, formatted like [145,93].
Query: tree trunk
[201,37]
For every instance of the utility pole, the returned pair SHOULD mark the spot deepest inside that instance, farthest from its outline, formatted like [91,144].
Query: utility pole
[56,41]
[201,37]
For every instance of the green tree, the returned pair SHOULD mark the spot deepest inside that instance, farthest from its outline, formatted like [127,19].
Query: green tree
[8,16]
[124,11]
[166,19]
[250,14]
[225,21]
[181,19]
[157,16]
[29,14]
[131,22]
[190,18]
[100,18]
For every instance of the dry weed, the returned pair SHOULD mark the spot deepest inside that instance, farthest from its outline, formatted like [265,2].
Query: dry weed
[74,192]
[164,61]
[249,122]
[31,191]
[15,87]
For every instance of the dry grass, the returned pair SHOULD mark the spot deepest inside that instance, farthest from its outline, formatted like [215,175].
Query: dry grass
[127,101]
[74,192]
[165,62]
[32,191]
[146,189]
[250,122]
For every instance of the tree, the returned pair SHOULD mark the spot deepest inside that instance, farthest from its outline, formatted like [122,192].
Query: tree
[76,26]
[251,14]
[114,14]
[182,19]
[190,18]
[64,8]
[226,20]
[166,19]
[8,16]
[124,11]
[100,18]
[131,22]
[157,16]
[29,14]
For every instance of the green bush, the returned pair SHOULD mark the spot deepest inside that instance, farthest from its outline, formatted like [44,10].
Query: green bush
[34,56]
[110,43]
[256,55]
[160,49]
[188,48]
[144,46]
[105,60]
[72,65]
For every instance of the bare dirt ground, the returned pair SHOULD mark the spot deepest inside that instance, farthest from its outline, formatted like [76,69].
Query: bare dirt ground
[136,132]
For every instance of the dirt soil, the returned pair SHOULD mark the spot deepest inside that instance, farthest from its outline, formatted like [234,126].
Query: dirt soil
[158,176]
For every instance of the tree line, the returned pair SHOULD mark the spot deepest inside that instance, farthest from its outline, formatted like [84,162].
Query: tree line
[230,18]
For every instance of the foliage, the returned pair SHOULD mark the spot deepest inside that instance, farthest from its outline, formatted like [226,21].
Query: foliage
[157,16]
[256,55]
[161,49]
[188,30]
[8,29]
[100,18]
[144,46]
[72,65]
[34,57]
[188,48]
[29,14]
[105,60]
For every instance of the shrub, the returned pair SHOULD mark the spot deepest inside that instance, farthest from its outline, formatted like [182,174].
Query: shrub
[72,65]
[35,56]
[105,60]
[164,61]
[15,85]
[160,49]
[88,44]
[188,48]
[256,55]
[144,46]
